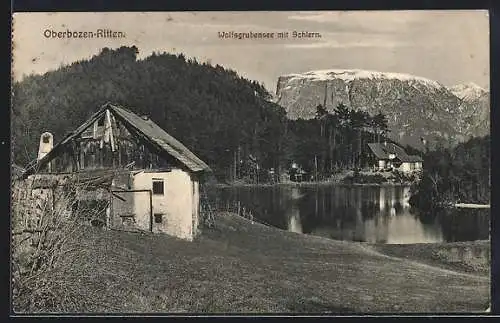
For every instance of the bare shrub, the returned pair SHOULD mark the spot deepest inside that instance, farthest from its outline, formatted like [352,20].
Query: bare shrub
[207,213]
[44,223]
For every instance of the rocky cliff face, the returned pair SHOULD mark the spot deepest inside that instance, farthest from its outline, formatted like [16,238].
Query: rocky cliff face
[474,110]
[415,106]
[468,92]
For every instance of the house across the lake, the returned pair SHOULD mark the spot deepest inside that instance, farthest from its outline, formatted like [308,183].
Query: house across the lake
[389,156]
[147,179]
[297,173]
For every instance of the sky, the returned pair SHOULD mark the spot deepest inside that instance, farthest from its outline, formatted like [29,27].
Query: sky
[450,47]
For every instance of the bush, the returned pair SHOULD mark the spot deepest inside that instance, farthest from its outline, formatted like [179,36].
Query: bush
[403,177]
[358,178]
[42,225]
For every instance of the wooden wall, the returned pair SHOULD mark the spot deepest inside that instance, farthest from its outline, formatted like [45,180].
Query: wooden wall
[91,151]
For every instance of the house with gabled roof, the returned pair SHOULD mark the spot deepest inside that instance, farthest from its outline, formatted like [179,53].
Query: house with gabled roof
[151,179]
[389,156]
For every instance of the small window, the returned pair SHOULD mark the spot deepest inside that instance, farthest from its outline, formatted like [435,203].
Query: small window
[158,218]
[100,122]
[46,139]
[158,187]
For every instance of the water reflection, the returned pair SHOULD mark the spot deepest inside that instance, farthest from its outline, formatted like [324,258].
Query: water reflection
[356,213]
[294,223]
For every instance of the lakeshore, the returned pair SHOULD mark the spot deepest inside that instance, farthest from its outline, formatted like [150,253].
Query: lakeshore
[301,184]
[472,206]
[241,266]
[344,178]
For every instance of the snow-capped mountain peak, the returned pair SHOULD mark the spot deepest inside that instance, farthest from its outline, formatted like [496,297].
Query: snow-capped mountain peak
[467,91]
[415,106]
[349,75]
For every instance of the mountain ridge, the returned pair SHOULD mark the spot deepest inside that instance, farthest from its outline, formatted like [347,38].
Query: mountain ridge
[468,91]
[416,106]
[351,74]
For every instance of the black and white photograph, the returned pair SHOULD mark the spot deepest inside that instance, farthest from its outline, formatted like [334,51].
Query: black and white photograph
[250,162]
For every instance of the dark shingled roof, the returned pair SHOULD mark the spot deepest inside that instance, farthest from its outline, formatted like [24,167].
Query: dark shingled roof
[145,128]
[382,151]
[158,136]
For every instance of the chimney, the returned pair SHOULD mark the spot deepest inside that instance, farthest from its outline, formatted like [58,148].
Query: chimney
[46,144]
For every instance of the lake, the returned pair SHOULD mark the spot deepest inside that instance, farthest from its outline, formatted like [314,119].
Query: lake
[357,213]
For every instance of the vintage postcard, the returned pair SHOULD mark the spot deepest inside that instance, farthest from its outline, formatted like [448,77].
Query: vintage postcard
[251,162]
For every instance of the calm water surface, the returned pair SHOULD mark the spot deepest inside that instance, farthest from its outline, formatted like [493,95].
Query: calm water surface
[356,213]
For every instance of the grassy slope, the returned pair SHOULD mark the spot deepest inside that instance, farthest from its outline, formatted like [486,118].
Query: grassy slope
[240,267]
[468,257]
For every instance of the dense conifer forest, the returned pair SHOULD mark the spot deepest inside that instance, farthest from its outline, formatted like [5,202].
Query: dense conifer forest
[460,174]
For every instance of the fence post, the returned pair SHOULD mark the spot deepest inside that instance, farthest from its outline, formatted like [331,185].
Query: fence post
[109,210]
[151,211]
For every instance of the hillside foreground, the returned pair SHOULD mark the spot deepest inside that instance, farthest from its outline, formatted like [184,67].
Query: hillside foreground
[243,267]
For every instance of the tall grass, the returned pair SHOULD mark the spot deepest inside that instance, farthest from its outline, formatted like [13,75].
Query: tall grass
[43,223]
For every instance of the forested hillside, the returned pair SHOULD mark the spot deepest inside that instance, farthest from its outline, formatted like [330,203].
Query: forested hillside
[210,109]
